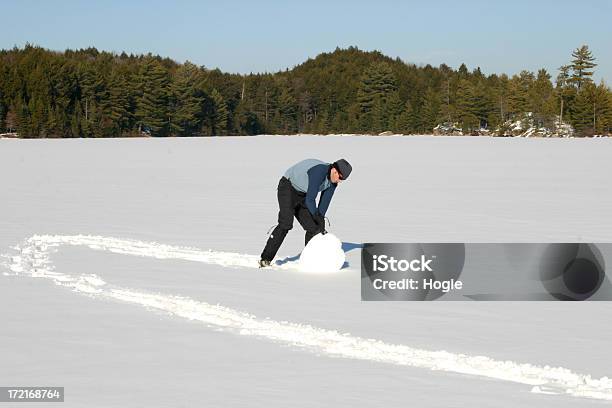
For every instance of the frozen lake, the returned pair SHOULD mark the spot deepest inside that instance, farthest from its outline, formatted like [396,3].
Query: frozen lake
[220,194]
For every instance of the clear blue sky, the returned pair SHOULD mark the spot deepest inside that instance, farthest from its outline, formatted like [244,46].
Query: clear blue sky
[266,35]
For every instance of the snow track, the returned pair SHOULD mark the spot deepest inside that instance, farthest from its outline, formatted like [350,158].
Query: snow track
[32,258]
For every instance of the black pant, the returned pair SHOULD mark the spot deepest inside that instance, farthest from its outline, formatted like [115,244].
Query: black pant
[291,204]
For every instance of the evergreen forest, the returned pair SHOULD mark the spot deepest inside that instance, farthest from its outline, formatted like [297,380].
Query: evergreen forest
[92,93]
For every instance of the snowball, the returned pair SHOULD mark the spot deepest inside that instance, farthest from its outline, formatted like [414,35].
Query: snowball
[323,254]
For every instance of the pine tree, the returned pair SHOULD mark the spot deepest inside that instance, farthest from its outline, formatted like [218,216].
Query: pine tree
[76,121]
[288,111]
[10,121]
[466,106]
[518,98]
[24,123]
[36,107]
[186,100]
[584,112]
[152,99]
[306,105]
[608,113]
[481,105]
[446,108]
[582,66]
[565,92]
[430,110]
[92,91]
[407,121]
[377,84]
[65,92]
[94,126]
[602,109]
[377,115]
[3,113]
[3,98]
[247,122]
[502,91]
[220,115]
[119,99]
[541,99]
[395,106]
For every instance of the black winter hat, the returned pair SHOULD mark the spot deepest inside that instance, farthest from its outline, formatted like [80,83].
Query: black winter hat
[343,167]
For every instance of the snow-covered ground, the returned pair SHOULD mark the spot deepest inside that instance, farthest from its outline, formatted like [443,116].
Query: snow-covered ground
[128,277]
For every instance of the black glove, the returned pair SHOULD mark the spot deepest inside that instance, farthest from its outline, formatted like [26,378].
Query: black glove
[320,221]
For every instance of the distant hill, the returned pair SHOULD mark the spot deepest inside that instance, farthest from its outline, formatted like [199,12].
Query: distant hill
[91,93]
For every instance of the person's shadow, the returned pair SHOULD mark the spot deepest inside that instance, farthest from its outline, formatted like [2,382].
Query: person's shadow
[346,247]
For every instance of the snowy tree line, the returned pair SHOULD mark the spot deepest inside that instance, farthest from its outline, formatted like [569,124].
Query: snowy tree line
[88,93]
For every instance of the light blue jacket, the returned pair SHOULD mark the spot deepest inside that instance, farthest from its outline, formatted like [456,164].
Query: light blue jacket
[311,176]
